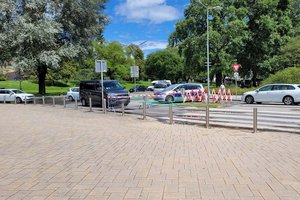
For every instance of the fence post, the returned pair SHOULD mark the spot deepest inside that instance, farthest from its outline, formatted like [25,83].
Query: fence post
[171,113]
[76,104]
[207,117]
[254,120]
[144,110]
[53,101]
[43,98]
[104,106]
[123,109]
[90,104]
[64,100]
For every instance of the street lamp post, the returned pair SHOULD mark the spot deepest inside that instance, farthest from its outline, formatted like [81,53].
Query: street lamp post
[207,43]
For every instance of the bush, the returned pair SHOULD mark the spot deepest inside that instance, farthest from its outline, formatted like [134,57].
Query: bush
[288,75]
[2,77]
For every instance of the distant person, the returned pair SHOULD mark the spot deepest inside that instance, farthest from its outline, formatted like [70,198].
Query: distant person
[222,88]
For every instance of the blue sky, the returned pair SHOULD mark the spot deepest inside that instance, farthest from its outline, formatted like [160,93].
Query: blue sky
[136,21]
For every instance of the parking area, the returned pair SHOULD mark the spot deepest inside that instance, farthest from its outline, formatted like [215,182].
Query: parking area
[54,153]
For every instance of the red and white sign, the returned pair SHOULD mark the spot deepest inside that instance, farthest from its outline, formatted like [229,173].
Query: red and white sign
[236,67]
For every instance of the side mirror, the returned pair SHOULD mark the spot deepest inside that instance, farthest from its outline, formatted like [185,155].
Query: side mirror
[256,90]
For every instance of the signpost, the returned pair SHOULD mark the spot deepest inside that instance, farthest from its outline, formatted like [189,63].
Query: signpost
[236,68]
[101,66]
[134,73]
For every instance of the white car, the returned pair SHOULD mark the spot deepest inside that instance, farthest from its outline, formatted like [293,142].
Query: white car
[288,94]
[73,93]
[15,94]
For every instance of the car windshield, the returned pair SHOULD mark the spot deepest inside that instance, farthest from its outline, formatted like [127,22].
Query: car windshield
[17,91]
[113,85]
[171,87]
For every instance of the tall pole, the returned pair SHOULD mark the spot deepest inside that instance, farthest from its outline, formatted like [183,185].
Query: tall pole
[207,54]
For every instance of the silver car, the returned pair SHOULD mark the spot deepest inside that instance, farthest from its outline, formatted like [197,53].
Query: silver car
[174,93]
[288,94]
[73,93]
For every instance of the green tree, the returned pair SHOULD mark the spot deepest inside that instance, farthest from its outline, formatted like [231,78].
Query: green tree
[164,64]
[42,34]
[138,56]
[117,60]
[227,33]
[288,56]
[247,32]
[270,24]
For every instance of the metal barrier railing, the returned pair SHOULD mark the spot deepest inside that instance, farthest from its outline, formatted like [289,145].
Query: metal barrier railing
[175,113]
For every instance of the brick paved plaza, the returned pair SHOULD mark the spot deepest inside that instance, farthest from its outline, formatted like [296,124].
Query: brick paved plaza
[55,153]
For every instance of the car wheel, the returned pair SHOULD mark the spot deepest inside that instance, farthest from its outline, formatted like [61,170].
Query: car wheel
[18,100]
[70,98]
[83,102]
[288,100]
[170,99]
[249,100]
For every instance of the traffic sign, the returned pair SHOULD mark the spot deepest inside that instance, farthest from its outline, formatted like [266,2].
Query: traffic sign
[134,71]
[100,66]
[236,67]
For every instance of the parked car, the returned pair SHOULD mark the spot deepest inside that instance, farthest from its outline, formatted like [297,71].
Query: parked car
[203,79]
[113,91]
[15,94]
[138,88]
[160,86]
[288,94]
[73,93]
[151,87]
[171,93]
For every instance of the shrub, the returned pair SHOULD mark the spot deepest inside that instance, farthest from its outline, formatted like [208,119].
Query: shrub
[2,77]
[288,75]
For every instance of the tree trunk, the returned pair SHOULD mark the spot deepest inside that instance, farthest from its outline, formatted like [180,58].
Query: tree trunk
[42,71]
[254,81]
[219,78]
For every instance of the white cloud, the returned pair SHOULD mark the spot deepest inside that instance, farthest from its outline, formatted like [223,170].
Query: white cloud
[152,45]
[155,11]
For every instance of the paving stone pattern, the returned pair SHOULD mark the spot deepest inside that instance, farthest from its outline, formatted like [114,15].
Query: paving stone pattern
[54,153]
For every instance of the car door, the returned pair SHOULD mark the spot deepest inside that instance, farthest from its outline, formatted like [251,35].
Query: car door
[279,92]
[179,93]
[2,94]
[263,94]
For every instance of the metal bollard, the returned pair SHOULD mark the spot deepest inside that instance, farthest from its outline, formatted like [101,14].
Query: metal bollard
[207,117]
[123,109]
[34,101]
[144,110]
[25,101]
[64,100]
[76,104]
[43,98]
[53,101]
[171,113]
[254,120]
[104,105]
[4,101]
[15,100]
[90,104]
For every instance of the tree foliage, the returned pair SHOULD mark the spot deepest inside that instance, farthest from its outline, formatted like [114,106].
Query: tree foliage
[164,64]
[288,56]
[247,32]
[288,75]
[42,34]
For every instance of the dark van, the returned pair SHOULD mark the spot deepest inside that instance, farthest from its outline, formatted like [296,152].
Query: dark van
[114,93]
